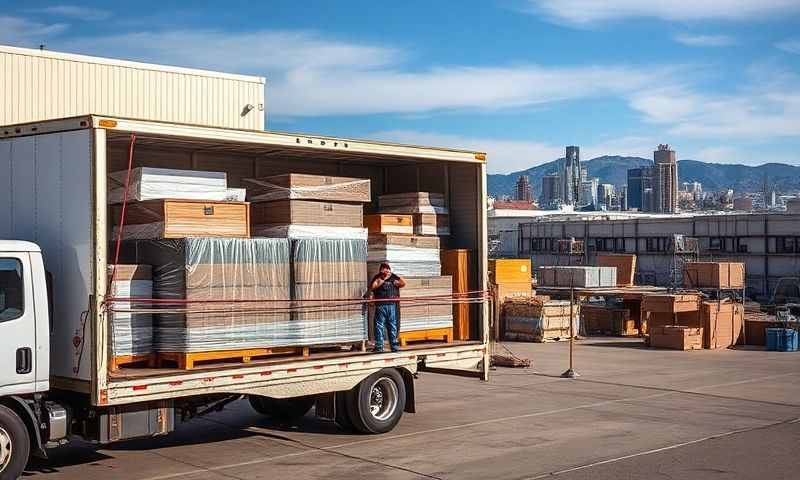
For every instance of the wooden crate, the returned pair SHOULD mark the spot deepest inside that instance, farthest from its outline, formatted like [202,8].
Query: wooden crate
[119,361]
[510,270]
[600,319]
[184,218]
[671,303]
[723,323]
[677,338]
[389,223]
[456,264]
[308,212]
[437,334]
[431,224]
[625,265]
[295,186]
[713,275]
[755,330]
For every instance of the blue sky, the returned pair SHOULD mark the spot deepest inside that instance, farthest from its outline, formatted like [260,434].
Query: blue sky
[719,80]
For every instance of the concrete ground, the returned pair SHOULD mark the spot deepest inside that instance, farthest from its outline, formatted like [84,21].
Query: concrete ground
[634,413]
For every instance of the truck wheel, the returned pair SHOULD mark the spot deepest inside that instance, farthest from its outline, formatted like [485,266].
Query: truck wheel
[377,403]
[282,409]
[15,445]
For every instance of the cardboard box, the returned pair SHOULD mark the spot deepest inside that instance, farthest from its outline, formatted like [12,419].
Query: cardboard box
[301,186]
[625,265]
[431,224]
[308,212]
[714,275]
[510,270]
[723,323]
[389,223]
[183,218]
[677,338]
[671,303]
[456,263]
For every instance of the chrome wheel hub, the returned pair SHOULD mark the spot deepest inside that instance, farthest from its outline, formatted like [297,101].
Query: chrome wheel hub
[383,399]
[5,449]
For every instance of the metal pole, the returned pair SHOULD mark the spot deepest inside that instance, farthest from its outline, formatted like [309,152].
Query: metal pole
[570,373]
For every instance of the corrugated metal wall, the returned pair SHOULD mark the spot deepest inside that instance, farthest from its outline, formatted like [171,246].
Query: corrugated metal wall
[38,85]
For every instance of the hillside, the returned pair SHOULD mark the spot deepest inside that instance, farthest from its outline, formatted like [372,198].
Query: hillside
[613,169]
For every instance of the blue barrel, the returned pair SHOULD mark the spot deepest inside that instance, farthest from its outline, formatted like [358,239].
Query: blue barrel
[782,339]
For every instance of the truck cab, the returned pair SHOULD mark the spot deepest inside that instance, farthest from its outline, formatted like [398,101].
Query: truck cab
[25,351]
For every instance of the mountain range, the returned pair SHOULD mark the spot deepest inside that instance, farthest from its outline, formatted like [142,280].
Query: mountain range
[613,169]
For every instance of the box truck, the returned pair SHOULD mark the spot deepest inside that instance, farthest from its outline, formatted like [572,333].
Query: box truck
[55,222]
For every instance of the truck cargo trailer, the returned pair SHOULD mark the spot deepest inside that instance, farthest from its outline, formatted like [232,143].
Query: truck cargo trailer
[55,222]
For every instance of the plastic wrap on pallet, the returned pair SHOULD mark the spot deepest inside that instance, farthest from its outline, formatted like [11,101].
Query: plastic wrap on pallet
[408,269]
[330,278]
[413,202]
[294,232]
[405,260]
[131,333]
[147,183]
[219,273]
[540,321]
[296,186]
[429,323]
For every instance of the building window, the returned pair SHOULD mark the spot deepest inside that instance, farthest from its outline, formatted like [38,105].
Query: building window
[715,243]
[786,244]
[656,244]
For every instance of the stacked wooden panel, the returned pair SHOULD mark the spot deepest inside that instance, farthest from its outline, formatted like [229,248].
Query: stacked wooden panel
[131,326]
[408,255]
[671,310]
[389,223]
[456,263]
[182,218]
[625,266]
[229,294]
[434,312]
[308,206]
[429,210]
[147,183]
[723,323]
[539,319]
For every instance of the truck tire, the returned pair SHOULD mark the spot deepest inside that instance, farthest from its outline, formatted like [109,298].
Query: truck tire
[342,413]
[282,409]
[15,445]
[377,403]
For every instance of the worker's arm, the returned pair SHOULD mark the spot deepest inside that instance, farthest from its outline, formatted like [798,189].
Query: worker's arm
[376,283]
[400,282]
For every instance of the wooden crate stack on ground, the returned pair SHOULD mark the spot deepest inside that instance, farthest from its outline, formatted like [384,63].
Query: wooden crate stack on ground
[723,323]
[539,319]
[509,278]
[605,320]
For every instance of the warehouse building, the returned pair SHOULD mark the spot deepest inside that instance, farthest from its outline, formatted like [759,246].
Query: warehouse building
[768,243]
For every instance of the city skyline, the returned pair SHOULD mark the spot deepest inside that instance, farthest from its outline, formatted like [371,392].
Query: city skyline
[613,77]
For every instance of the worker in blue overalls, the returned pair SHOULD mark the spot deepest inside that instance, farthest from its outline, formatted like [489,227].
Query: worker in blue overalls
[386,285]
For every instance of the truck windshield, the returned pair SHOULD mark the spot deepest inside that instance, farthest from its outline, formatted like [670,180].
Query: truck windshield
[11,292]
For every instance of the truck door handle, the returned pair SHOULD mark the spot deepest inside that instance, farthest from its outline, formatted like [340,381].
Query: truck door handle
[24,360]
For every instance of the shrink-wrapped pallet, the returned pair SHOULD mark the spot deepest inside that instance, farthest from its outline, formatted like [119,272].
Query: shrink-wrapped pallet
[295,232]
[148,183]
[329,282]
[413,202]
[228,294]
[307,212]
[131,325]
[433,312]
[539,320]
[413,256]
[300,186]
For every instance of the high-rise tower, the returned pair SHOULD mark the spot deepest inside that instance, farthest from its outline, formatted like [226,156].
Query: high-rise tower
[571,176]
[665,180]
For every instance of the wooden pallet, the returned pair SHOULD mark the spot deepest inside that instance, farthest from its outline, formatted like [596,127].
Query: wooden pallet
[189,360]
[147,360]
[437,334]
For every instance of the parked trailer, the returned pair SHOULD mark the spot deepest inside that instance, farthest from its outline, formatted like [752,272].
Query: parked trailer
[55,379]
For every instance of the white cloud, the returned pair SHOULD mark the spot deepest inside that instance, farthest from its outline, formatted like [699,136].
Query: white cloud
[19,31]
[705,40]
[789,46]
[586,12]
[506,156]
[77,12]
[719,155]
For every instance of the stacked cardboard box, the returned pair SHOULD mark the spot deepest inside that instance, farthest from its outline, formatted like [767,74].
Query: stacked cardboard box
[131,334]
[713,275]
[676,337]
[229,294]
[408,255]
[539,319]
[431,313]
